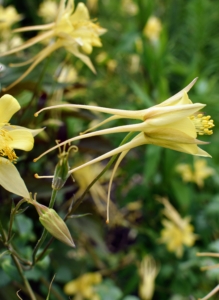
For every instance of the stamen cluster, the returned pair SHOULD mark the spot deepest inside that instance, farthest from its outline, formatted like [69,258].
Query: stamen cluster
[203,124]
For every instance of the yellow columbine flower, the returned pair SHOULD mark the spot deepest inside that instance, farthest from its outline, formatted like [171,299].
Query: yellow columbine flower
[148,271]
[48,10]
[200,172]
[152,29]
[172,124]
[83,286]
[72,30]
[177,230]
[12,137]
[8,16]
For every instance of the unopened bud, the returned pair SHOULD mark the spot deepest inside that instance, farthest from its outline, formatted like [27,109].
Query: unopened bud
[62,169]
[61,173]
[54,224]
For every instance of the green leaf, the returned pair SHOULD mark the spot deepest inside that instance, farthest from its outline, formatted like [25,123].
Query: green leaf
[108,291]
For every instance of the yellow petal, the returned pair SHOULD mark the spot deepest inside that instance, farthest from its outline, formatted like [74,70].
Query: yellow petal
[170,135]
[11,180]
[81,13]
[165,115]
[177,97]
[21,139]
[8,107]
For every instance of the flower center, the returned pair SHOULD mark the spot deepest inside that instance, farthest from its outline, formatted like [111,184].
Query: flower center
[5,149]
[203,124]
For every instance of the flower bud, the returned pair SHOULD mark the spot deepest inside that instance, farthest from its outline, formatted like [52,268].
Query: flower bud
[54,224]
[61,173]
[62,168]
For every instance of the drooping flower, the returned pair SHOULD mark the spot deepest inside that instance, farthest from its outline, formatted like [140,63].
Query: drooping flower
[12,137]
[172,124]
[72,30]
[152,29]
[177,231]
[83,286]
[197,174]
[148,271]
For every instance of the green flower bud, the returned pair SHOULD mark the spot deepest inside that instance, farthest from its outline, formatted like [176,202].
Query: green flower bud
[61,173]
[62,169]
[54,224]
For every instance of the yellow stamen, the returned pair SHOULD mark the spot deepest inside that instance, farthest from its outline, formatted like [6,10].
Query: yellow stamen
[5,150]
[203,124]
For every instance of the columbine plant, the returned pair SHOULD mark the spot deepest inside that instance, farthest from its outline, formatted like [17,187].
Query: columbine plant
[13,137]
[173,124]
[72,30]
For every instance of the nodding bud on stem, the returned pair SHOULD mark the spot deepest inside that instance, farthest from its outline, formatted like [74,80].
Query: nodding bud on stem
[62,169]
[54,224]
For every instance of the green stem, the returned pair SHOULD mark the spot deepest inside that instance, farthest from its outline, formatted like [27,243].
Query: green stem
[12,216]
[44,233]
[26,282]
[80,200]
[3,235]
[53,198]
[17,264]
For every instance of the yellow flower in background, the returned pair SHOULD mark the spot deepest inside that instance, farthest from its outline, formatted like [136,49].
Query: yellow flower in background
[130,7]
[177,231]
[197,174]
[72,30]
[48,10]
[67,74]
[84,177]
[8,16]
[172,124]
[8,40]
[148,271]
[12,137]
[152,29]
[83,286]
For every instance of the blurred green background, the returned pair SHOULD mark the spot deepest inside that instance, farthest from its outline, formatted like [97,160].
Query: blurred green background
[134,71]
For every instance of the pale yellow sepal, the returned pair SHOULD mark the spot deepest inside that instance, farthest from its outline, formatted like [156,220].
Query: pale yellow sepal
[11,180]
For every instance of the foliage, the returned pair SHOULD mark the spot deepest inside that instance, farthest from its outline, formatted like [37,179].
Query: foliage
[133,72]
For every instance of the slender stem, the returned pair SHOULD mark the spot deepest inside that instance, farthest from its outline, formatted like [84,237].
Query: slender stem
[26,282]
[3,235]
[53,198]
[39,243]
[17,264]
[44,250]
[44,233]
[214,291]
[12,216]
